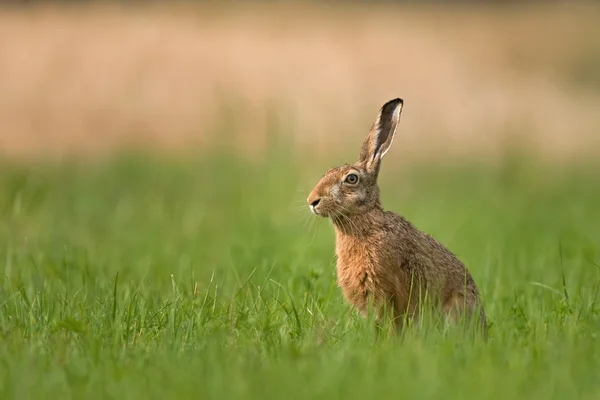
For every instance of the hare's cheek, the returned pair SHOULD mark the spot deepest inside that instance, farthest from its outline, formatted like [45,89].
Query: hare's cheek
[361,197]
[335,192]
[355,199]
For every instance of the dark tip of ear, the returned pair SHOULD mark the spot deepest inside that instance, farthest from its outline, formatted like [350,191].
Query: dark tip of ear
[393,103]
[389,108]
[387,111]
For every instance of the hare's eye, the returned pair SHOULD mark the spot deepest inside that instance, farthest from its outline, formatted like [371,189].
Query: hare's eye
[352,179]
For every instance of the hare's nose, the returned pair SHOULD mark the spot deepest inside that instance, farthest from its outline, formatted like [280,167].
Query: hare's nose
[315,202]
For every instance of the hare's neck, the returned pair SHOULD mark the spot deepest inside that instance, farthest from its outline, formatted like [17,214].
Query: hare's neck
[360,225]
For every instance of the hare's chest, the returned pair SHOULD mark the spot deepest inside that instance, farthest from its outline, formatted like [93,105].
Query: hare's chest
[358,274]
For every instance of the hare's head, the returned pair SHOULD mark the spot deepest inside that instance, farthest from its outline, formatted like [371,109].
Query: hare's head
[352,189]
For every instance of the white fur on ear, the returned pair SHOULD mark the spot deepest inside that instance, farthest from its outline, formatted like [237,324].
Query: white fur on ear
[380,137]
[394,126]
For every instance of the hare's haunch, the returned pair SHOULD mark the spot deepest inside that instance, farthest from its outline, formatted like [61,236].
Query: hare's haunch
[382,257]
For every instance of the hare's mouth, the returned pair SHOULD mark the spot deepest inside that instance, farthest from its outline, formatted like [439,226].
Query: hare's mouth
[314,210]
[320,211]
[323,207]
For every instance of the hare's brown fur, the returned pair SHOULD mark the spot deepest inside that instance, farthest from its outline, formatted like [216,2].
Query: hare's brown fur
[382,257]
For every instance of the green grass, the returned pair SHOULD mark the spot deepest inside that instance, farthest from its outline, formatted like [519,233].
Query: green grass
[208,278]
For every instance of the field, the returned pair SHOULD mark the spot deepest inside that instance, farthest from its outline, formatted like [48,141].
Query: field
[154,169]
[145,278]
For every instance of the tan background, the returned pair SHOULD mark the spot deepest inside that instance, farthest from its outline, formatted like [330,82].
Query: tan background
[87,80]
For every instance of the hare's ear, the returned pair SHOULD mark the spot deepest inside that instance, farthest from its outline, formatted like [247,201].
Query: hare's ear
[381,136]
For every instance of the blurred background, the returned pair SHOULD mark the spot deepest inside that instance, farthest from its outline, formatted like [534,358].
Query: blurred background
[156,157]
[479,78]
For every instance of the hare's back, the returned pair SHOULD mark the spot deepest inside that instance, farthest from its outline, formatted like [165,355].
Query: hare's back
[424,255]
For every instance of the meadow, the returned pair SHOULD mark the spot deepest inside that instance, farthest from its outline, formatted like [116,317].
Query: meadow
[155,163]
[206,277]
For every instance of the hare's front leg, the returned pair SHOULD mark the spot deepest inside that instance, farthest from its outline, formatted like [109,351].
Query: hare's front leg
[396,317]
[386,319]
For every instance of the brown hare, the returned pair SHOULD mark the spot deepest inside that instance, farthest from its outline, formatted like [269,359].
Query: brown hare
[382,259]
